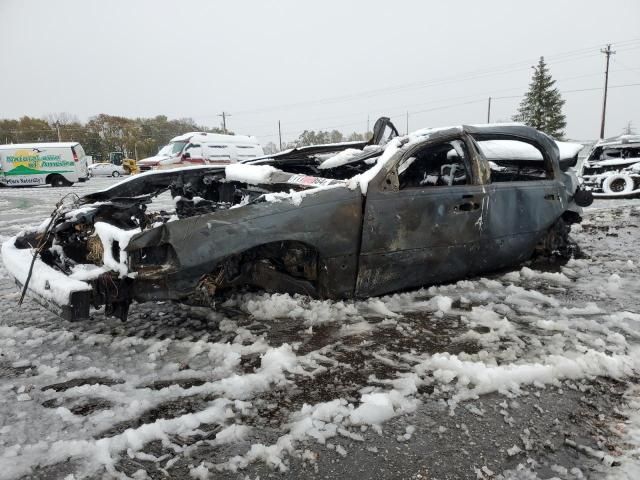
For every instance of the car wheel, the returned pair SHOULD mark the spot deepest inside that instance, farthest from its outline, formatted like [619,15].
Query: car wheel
[58,181]
[115,174]
[619,183]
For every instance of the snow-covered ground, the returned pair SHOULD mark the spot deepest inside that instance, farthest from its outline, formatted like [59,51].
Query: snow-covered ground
[526,374]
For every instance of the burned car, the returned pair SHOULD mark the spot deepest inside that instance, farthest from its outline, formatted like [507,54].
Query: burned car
[612,168]
[347,220]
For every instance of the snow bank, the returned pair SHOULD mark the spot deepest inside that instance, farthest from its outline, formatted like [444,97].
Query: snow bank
[312,312]
[486,378]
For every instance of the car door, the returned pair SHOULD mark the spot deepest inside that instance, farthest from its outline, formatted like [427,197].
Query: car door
[422,219]
[524,199]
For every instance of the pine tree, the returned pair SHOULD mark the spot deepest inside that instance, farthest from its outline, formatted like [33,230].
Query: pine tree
[541,107]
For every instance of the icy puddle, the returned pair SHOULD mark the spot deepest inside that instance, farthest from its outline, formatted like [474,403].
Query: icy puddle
[527,374]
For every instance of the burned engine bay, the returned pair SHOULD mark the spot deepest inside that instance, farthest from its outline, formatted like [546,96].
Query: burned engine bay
[94,231]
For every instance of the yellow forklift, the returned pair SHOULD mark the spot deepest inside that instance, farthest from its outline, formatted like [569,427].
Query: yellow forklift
[129,164]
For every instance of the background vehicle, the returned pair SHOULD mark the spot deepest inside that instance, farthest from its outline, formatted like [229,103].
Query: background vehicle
[57,164]
[612,168]
[201,148]
[106,170]
[129,165]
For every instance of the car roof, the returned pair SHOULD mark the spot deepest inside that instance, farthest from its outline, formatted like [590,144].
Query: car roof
[39,145]
[214,137]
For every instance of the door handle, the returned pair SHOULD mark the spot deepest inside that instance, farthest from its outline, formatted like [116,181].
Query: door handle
[551,196]
[467,207]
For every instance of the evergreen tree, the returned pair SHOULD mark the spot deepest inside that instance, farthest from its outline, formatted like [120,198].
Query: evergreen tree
[541,107]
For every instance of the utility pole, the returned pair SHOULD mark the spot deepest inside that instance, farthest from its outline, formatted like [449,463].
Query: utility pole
[224,116]
[407,123]
[58,128]
[608,52]
[489,111]
[280,135]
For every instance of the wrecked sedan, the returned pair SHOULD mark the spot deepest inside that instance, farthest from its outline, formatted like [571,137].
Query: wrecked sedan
[336,221]
[612,168]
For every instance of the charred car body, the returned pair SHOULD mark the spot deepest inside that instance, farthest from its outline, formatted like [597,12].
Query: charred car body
[330,221]
[612,168]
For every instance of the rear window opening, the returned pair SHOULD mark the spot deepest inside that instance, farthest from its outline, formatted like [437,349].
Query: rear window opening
[513,160]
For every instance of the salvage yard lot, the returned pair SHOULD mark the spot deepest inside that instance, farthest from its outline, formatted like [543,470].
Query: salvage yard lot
[526,374]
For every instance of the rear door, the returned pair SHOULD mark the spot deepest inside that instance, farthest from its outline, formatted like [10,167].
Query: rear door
[80,160]
[423,220]
[524,200]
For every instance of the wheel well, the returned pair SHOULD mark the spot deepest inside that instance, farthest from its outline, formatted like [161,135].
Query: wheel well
[52,176]
[284,266]
[49,178]
[296,258]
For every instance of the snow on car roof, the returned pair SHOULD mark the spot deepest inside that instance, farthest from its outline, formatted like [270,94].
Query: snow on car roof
[39,145]
[517,150]
[621,139]
[214,137]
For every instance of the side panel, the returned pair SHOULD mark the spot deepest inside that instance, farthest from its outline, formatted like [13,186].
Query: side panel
[329,220]
[518,215]
[20,169]
[416,237]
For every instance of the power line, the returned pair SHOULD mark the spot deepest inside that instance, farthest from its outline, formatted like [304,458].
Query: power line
[404,107]
[509,68]
[444,107]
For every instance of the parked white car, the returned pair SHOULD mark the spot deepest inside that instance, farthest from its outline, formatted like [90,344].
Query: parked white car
[106,170]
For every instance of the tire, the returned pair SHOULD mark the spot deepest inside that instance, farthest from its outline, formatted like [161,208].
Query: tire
[618,183]
[58,181]
[115,174]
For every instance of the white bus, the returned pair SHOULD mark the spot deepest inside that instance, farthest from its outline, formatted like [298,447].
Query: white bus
[57,164]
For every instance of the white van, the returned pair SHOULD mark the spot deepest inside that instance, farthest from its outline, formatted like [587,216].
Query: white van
[201,148]
[57,164]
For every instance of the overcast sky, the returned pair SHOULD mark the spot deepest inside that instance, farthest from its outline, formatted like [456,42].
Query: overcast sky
[320,64]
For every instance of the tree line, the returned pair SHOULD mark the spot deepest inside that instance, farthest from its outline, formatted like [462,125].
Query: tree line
[101,134]
[136,137]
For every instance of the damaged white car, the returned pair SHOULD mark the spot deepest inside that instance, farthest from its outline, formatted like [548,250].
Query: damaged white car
[612,168]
